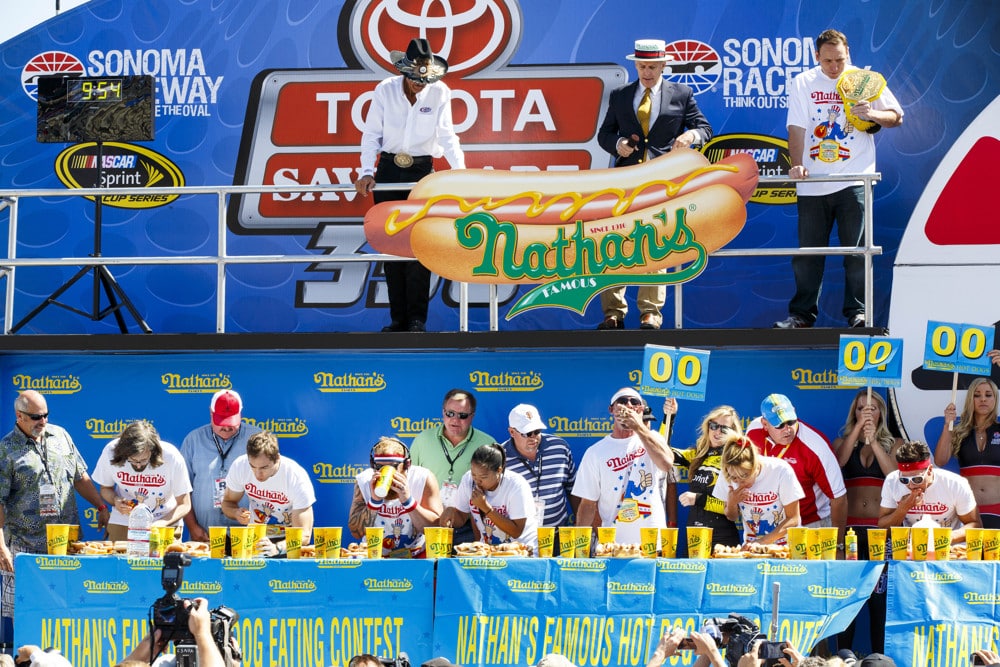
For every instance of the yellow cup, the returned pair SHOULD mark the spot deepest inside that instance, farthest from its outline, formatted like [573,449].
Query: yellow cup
[668,542]
[699,541]
[436,542]
[74,532]
[814,544]
[942,543]
[899,539]
[567,541]
[167,536]
[581,541]
[876,544]
[56,538]
[239,538]
[991,543]
[155,547]
[797,543]
[649,539]
[373,539]
[606,534]
[546,541]
[217,541]
[319,542]
[974,543]
[828,542]
[333,541]
[920,537]
[259,533]
[293,542]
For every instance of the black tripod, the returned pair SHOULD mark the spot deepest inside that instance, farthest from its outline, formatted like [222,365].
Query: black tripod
[117,299]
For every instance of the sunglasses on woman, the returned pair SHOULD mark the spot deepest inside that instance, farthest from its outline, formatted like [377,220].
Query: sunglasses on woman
[715,426]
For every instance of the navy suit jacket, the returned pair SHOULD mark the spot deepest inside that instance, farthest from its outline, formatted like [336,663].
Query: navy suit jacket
[678,113]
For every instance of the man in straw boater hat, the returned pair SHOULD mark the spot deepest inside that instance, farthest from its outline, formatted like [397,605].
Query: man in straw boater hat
[645,119]
[408,124]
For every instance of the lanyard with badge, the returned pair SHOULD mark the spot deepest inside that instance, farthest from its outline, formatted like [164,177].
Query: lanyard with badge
[219,490]
[47,501]
[537,474]
[449,488]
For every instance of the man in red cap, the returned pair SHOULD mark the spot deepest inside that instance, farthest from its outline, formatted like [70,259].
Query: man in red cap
[916,490]
[408,124]
[208,451]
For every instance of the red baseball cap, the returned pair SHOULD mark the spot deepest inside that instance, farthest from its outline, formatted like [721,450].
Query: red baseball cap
[226,408]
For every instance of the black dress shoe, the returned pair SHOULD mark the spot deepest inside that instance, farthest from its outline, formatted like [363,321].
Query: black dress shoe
[611,323]
[393,326]
[417,326]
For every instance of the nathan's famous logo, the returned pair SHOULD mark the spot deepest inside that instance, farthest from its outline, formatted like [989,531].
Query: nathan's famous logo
[630,588]
[582,564]
[60,563]
[47,384]
[580,427]
[771,156]
[807,378]
[833,592]
[107,587]
[972,597]
[200,587]
[292,586]
[407,427]
[375,585]
[731,589]
[120,166]
[480,563]
[775,568]
[196,383]
[535,586]
[106,429]
[348,382]
[573,234]
[693,63]
[183,83]
[921,577]
[328,473]
[289,427]
[682,566]
[241,564]
[506,380]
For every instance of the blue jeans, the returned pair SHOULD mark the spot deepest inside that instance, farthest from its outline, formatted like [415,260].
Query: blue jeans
[816,217]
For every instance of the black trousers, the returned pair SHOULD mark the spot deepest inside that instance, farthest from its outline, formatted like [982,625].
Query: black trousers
[408,283]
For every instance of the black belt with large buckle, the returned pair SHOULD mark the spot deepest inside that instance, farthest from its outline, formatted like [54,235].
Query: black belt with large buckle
[405,160]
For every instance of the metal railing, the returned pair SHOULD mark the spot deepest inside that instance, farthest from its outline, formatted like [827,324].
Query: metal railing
[9,199]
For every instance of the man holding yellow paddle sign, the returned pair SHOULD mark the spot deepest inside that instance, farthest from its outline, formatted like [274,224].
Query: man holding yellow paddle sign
[834,110]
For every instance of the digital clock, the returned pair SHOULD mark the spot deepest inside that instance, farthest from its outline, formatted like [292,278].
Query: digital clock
[90,89]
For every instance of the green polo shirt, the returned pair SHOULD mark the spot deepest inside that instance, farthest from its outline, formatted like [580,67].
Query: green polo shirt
[429,447]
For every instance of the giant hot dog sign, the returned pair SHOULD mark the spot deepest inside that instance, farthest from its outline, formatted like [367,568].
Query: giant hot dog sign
[573,234]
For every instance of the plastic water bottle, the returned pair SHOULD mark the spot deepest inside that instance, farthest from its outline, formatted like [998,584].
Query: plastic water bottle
[139,522]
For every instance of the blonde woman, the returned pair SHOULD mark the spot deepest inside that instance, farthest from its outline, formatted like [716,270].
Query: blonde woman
[762,491]
[975,442]
[702,463]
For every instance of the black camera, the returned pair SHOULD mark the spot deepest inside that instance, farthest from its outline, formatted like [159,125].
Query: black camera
[737,634]
[401,660]
[170,616]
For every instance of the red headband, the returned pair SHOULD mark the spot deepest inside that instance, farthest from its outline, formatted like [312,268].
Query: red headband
[913,466]
[646,55]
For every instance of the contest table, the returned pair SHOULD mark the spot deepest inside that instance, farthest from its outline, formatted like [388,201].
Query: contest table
[476,611]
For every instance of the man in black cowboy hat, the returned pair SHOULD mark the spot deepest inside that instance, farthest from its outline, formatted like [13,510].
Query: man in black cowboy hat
[408,124]
[645,119]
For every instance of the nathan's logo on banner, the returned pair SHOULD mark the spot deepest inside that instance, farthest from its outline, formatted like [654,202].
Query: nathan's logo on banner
[922,577]
[771,156]
[506,381]
[582,564]
[197,383]
[405,427]
[47,384]
[681,566]
[292,586]
[756,72]
[807,378]
[831,592]
[241,564]
[582,427]
[339,563]
[388,585]
[104,429]
[519,586]
[991,599]
[766,567]
[330,383]
[327,473]
[695,64]
[290,427]
[731,589]
[121,166]
[107,587]
[573,234]
[478,563]
[630,588]
[200,587]
[61,563]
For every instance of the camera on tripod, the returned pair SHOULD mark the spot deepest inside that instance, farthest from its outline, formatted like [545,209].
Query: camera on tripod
[737,635]
[170,616]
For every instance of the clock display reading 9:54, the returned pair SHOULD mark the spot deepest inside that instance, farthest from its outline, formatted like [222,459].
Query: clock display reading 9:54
[93,90]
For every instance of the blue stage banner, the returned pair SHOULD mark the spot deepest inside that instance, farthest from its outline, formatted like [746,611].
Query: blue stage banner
[95,609]
[940,613]
[612,612]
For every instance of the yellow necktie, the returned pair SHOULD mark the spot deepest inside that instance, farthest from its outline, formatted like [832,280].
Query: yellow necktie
[642,113]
